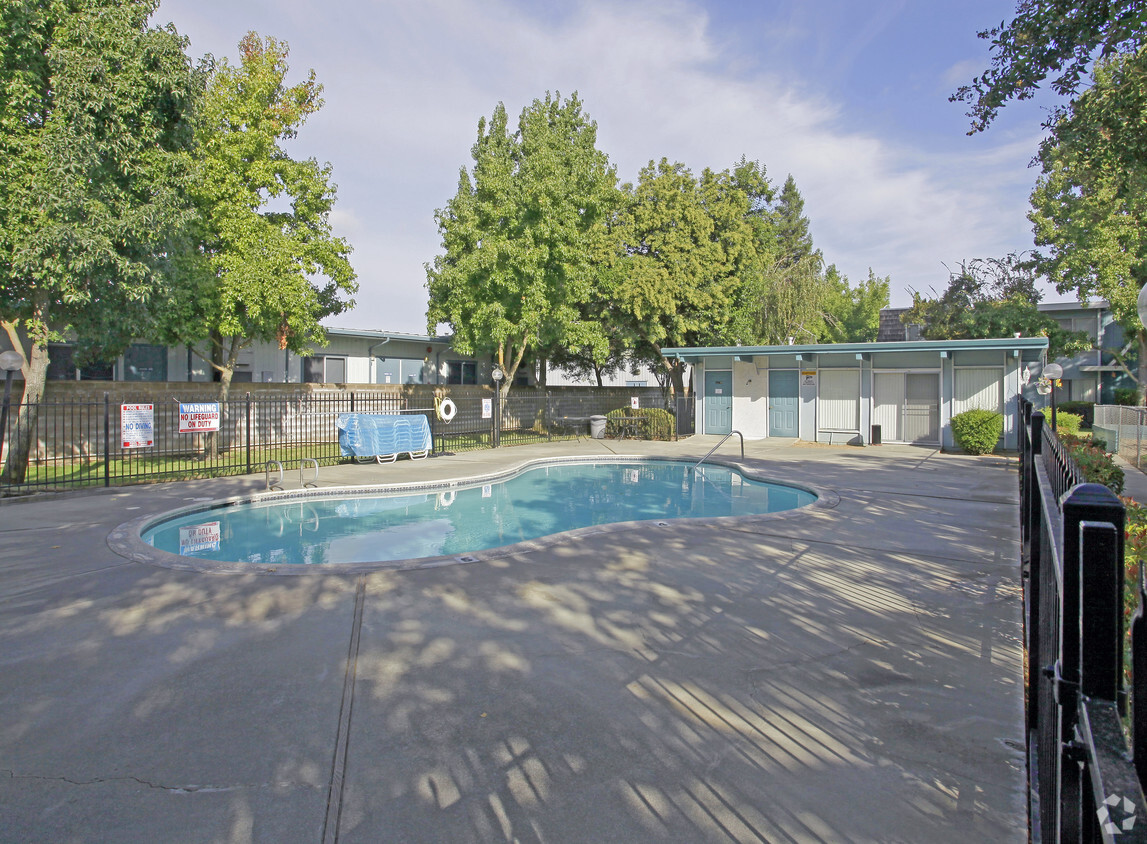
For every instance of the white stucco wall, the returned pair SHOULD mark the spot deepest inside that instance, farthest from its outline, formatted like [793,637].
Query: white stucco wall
[750,400]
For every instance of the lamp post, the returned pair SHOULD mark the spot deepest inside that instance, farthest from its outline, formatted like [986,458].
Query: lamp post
[11,362]
[497,375]
[1052,372]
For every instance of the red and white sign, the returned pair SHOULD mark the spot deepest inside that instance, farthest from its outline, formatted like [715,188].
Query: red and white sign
[137,425]
[198,416]
[195,538]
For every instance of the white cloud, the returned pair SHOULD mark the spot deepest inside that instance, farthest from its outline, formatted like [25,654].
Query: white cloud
[406,84]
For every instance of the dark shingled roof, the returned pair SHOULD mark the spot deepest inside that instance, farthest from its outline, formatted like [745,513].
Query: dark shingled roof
[892,330]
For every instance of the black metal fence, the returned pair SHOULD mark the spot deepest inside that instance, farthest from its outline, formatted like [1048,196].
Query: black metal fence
[84,443]
[1085,779]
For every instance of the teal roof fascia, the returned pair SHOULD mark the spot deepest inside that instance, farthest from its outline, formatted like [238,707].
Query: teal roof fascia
[1003,343]
[394,335]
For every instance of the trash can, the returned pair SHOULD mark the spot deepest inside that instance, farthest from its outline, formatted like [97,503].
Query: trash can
[597,427]
[875,438]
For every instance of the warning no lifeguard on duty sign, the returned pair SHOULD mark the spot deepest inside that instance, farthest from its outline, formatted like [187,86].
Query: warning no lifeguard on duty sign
[198,416]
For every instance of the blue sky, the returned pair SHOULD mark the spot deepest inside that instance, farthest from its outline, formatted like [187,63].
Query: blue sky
[850,96]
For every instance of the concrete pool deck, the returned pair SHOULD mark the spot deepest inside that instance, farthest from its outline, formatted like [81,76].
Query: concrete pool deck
[852,673]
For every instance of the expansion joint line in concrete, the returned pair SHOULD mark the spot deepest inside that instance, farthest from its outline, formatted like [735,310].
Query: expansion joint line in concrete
[346,708]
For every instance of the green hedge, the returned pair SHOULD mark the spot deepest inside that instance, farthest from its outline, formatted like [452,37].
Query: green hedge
[1068,423]
[977,431]
[1086,409]
[659,426]
[1127,396]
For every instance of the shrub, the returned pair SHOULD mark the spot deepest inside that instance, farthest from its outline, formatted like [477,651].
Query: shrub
[659,427]
[1086,409]
[1097,466]
[1068,423]
[1127,396]
[977,431]
[1134,556]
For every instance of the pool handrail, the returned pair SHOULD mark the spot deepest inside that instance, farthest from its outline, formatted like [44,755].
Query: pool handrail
[721,443]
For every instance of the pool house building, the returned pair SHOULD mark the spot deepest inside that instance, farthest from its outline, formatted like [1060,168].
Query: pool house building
[861,393]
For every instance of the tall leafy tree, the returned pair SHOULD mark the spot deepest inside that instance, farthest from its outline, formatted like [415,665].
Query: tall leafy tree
[787,293]
[991,297]
[524,237]
[683,237]
[262,262]
[92,118]
[1059,38]
[1087,212]
[1089,207]
[783,302]
[852,314]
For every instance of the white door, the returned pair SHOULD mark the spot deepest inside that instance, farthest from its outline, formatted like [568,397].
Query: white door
[887,399]
[921,407]
[906,406]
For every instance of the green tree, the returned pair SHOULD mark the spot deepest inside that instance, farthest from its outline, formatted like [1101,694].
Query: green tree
[262,262]
[991,297]
[793,239]
[525,236]
[787,293]
[852,314]
[683,239]
[92,117]
[1050,37]
[1089,207]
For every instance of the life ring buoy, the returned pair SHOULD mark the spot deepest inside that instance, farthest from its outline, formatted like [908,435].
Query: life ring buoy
[446,498]
[446,410]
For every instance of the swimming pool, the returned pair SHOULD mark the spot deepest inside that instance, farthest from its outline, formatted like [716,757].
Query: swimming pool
[455,520]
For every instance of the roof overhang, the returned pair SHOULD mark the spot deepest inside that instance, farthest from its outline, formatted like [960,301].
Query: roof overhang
[388,335]
[696,354]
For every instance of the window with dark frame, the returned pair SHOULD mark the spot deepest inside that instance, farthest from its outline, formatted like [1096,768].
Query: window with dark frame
[461,372]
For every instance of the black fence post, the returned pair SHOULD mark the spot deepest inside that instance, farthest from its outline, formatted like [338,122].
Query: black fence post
[1082,503]
[1101,627]
[1031,513]
[107,440]
[247,399]
[1031,434]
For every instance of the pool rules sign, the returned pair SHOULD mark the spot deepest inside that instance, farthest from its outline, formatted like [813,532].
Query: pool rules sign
[137,425]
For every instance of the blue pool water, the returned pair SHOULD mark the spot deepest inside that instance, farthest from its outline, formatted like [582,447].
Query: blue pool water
[537,502]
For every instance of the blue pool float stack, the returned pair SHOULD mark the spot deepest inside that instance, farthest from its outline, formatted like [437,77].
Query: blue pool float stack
[383,436]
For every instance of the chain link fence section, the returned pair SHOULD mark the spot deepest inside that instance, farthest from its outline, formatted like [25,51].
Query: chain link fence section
[1123,429]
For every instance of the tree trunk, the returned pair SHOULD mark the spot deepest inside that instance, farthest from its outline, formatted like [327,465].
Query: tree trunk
[224,354]
[676,370]
[35,372]
[512,370]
